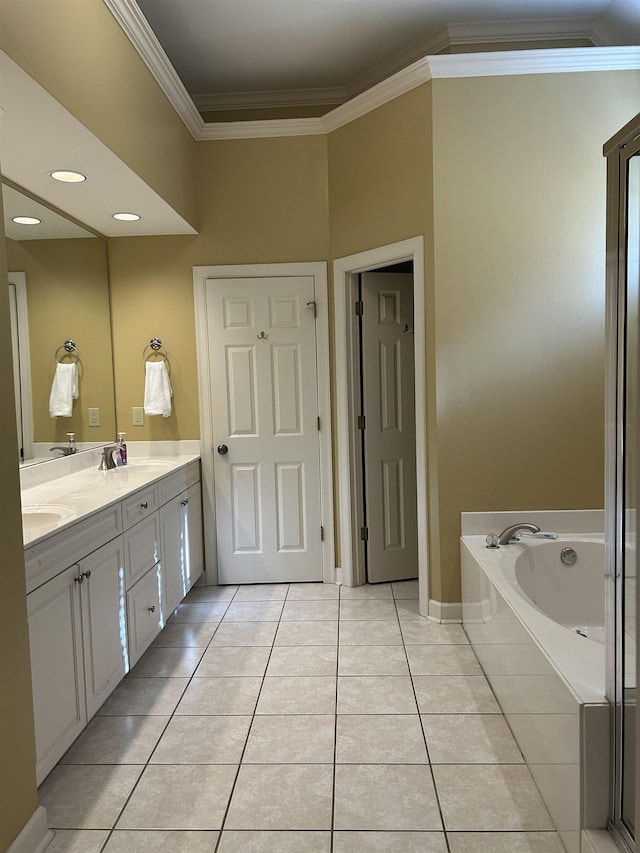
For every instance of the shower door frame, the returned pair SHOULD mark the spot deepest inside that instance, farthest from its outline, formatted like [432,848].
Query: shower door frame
[618,151]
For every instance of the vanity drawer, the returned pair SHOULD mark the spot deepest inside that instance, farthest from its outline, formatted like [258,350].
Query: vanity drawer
[59,551]
[139,505]
[144,613]
[141,548]
[179,481]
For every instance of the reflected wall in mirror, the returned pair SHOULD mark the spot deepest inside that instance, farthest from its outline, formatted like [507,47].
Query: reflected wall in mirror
[64,272]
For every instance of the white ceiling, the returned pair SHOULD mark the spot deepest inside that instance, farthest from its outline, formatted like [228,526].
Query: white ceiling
[234,53]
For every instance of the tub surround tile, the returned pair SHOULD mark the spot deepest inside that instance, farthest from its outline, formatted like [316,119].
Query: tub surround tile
[233,660]
[385,797]
[303,660]
[167,663]
[490,797]
[307,634]
[78,841]
[385,694]
[442,660]
[219,696]
[454,694]
[180,797]
[304,798]
[273,841]
[505,842]
[310,611]
[298,695]
[375,632]
[470,739]
[79,796]
[117,740]
[389,842]
[380,739]
[244,634]
[203,740]
[372,660]
[291,739]
[145,696]
[161,841]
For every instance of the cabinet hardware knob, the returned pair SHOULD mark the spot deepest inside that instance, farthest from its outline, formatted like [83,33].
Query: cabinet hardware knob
[87,574]
[184,503]
[144,505]
[152,609]
[79,579]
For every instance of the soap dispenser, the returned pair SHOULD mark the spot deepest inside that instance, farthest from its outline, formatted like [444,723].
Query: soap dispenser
[121,458]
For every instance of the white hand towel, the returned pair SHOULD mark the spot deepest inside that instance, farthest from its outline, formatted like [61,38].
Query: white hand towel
[157,389]
[64,390]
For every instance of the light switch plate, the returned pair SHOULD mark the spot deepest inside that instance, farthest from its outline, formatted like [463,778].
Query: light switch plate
[137,416]
[94,417]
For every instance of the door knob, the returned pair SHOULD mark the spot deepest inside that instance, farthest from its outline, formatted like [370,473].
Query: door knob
[223,449]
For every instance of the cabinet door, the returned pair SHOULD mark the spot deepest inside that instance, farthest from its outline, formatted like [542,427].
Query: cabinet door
[57,670]
[173,547]
[144,612]
[103,622]
[142,548]
[193,534]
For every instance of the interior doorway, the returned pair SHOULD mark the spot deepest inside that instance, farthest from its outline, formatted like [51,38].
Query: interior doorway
[384,396]
[346,272]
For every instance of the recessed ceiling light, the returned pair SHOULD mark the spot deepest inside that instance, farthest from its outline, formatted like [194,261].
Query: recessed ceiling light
[26,220]
[68,176]
[126,217]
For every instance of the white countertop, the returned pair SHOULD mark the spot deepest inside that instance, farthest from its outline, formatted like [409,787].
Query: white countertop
[69,497]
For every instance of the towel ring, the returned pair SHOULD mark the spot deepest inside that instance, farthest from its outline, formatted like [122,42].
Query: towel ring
[155,344]
[70,349]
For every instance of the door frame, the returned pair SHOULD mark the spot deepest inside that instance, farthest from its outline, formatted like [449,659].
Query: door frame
[318,271]
[345,270]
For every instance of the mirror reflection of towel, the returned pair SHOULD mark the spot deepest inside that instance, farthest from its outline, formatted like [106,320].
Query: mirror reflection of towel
[64,390]
[157,389]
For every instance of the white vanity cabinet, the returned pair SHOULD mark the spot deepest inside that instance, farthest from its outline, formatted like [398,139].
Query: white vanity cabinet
[181,531]
[78,648]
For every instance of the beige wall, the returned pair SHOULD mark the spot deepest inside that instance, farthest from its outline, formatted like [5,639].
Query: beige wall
[77,51]
[261,201]
[519,199]
[68,297]
[18,797]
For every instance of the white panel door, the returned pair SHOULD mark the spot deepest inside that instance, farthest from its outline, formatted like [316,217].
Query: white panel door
[262,351]
[389,436]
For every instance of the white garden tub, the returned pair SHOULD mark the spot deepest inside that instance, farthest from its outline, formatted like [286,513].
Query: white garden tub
[537,628]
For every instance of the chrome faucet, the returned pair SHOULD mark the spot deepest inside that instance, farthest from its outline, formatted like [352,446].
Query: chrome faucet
[509,532]
[68,449]
[107,460]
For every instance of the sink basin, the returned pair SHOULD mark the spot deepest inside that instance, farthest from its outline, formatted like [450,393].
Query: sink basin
[147,466]
[37,519]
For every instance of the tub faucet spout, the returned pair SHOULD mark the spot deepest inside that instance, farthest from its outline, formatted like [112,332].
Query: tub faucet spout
[509,532]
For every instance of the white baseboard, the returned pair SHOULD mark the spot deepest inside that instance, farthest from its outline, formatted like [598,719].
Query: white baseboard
[445,611]
[598,841]
[35,835]
[339,575]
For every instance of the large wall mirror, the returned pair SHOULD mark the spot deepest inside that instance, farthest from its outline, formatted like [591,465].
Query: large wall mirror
[59,293]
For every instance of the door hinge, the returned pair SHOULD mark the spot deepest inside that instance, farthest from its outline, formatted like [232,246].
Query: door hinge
[321,533]
[364,534]
[313,305]
[359,308]
[362,422]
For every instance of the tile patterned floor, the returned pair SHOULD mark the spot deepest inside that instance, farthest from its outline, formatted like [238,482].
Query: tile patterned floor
[291,718]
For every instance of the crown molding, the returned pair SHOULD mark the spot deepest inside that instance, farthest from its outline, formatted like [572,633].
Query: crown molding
[281,98]
[489,64]
[127,13]
[496,32]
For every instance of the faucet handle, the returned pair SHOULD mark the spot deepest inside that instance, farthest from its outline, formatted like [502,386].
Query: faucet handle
[492,540]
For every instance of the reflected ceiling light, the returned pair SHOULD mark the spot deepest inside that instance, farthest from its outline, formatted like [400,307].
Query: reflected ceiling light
[68,176]
[126,217]
[26,220]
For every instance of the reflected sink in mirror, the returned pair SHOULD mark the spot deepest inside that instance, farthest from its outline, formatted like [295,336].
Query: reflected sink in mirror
[39,519]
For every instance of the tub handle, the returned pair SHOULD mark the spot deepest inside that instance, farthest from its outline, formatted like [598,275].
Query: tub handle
[492,540]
